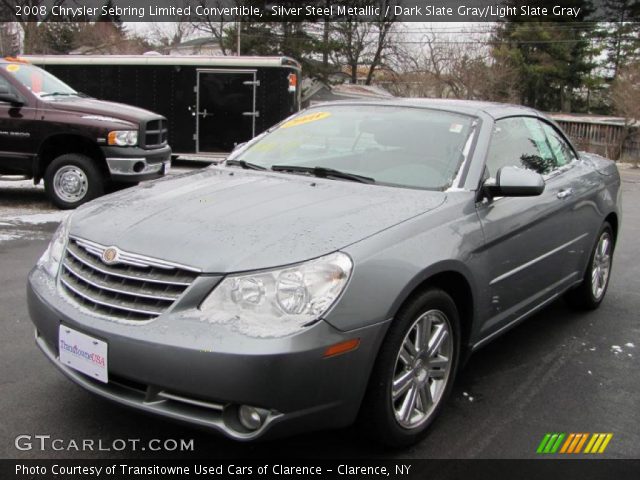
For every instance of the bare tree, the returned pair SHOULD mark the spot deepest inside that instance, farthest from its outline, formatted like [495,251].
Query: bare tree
[9,39]
[105,38]
[169,34]
[31,38]
[625,95]
[217,26]
[444,66]
[351,39]
[382,44]
[363,46]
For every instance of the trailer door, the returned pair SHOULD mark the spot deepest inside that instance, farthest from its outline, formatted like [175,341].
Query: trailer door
[226,109]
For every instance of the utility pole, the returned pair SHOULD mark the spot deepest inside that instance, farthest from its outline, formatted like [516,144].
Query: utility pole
[238,23]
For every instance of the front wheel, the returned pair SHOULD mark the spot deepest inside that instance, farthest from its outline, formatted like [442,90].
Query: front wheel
[414,372]
[72,179]
[590,293]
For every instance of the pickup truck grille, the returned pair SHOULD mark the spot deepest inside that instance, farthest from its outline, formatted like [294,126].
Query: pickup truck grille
[155,133]
[134,288]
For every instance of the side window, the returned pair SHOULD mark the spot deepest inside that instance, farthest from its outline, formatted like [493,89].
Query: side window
[5,85]
[562,152]
[520,142]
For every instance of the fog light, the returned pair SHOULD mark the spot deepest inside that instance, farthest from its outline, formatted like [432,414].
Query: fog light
[251,417]
[138,167]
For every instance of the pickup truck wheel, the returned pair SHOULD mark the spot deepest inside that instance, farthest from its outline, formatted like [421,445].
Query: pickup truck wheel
[71,180]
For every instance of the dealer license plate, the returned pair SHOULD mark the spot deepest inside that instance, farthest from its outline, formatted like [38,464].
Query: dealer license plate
[83,353]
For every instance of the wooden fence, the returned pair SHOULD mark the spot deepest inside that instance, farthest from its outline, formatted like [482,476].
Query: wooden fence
[606,136]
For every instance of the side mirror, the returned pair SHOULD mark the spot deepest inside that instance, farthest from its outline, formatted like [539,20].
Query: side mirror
[515,182]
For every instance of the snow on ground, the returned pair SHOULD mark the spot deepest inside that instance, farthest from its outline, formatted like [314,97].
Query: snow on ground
[4,236]
[20,184]
[34,218]
[24,210]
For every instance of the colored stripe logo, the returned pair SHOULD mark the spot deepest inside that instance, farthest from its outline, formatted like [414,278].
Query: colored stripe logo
[574,443]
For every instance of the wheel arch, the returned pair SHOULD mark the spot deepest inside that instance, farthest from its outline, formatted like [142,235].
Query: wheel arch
[612,219]
[454,279]
[63,143]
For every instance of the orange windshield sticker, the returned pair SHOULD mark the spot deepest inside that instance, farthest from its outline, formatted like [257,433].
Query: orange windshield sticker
[13,68]
[311,117]
[36,82]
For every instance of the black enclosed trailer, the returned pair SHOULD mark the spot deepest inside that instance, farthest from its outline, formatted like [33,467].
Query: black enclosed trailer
[212,103]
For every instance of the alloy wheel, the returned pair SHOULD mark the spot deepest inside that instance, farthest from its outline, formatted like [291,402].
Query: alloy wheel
[422,369]
[601,266]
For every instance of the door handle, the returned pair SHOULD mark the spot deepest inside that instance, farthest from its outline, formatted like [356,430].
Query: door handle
[567,192]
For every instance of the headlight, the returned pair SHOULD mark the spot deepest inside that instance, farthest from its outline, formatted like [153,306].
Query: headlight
[52,256]
[278,302]
[123,138]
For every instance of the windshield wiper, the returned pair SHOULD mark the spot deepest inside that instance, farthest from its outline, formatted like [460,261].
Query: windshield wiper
[58,94]
[245,165]
[323,172]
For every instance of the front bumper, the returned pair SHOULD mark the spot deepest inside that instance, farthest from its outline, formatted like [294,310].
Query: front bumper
[183,368]
[134,164]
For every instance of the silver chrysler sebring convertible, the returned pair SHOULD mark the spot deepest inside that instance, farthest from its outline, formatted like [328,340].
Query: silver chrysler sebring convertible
[340,266]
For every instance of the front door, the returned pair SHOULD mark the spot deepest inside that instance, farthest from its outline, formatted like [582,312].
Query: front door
[532,242]
[17,129]
[226,108]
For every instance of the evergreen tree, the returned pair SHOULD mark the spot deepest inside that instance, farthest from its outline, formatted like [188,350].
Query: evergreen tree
[58,37]
[552,59]
[621,34]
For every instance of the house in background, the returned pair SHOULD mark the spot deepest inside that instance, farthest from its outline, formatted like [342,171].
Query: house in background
[198,46]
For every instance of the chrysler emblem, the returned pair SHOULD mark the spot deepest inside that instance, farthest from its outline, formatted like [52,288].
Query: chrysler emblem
[110,256]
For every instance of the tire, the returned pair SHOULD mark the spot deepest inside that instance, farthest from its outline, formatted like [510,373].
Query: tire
[590,293]
[72,179]
[387,419]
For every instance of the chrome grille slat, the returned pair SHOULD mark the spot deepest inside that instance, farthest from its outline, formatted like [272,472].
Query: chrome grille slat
[137,288]
[131,258]
[84,294]
[87,278]
[134,275]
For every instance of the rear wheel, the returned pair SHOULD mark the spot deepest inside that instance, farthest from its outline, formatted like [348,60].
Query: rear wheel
[590,293]
[72,179]
[414,372]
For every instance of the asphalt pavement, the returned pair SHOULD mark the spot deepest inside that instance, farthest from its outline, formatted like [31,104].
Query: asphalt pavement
[559,371]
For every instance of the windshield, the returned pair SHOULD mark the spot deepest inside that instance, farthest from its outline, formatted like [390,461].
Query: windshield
[410,147]
[41,83]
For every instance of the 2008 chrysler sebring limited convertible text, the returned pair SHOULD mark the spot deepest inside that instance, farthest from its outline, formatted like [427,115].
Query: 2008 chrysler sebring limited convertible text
[340,266]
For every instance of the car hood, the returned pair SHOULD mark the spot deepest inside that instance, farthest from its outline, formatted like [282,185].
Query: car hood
[102,109]
[225,220]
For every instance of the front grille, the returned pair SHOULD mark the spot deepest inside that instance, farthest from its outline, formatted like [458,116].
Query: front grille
[135,288]
[155,133]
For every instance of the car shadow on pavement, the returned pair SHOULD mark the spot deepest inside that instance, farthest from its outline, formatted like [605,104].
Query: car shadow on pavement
[486,378]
